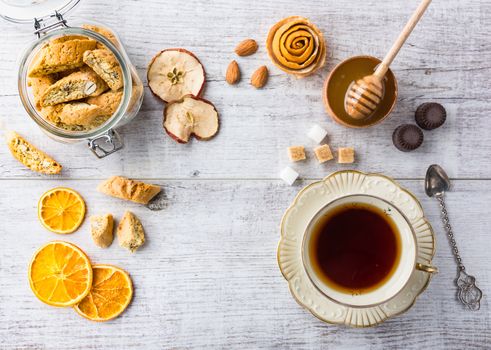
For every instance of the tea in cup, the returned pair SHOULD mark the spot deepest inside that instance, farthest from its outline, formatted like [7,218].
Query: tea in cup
[360,250]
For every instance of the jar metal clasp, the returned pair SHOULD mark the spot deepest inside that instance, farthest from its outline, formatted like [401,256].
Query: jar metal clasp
[43,26]
[106,144]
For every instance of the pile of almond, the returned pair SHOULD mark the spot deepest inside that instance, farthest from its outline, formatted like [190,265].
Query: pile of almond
[260,76]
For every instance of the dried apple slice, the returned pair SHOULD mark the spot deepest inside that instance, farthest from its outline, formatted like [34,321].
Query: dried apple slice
[190,116]
[174,73]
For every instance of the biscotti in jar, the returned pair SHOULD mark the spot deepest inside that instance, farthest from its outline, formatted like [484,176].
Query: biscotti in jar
[76,82]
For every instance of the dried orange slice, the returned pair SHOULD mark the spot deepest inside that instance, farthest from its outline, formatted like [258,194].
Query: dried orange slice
[60,274]
[111,293]
[296,46]
[61,210]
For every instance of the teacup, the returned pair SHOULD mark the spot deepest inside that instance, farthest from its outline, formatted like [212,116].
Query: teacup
[403,269]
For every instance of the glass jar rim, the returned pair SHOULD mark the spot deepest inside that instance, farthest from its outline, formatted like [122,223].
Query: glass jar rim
[121,57]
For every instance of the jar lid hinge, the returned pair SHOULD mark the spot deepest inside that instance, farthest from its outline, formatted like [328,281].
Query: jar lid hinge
[43,29]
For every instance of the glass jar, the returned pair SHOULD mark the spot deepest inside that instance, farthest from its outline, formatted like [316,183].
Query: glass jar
[50,24]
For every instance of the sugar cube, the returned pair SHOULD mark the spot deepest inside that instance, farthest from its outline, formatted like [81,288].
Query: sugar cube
[317,134]
[296,153]
[289,175]
[323,153]
[346,155]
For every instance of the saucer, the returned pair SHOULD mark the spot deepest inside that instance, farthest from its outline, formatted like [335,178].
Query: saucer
[313,198]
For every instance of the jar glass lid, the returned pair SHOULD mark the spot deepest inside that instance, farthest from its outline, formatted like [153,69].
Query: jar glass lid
[25,11]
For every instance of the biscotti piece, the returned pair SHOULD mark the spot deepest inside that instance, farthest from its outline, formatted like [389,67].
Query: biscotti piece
[130,232]
[323,153]
[104,63]
[131,190]
[76,86]
[296,153]
[60,56]
[346,155]
[81,113]
[66,38]
[108,102]
[39,86]
[30,156]
[101,230]
[74,113]
[104,32]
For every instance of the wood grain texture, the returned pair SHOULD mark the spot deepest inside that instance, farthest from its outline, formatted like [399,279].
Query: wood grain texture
[207,277]
[446,59]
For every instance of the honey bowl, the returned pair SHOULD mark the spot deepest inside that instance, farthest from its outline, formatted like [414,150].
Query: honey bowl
[338,82]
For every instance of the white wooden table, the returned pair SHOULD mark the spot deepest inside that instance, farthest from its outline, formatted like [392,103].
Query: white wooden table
[207,277]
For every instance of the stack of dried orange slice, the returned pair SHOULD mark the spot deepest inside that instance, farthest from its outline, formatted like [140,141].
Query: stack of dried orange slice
[60,274]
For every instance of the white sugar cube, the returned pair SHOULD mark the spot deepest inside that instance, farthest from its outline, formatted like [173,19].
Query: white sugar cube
[289,175]
[317,134]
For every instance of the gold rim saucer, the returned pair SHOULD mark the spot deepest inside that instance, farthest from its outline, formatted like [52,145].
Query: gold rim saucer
[314,197]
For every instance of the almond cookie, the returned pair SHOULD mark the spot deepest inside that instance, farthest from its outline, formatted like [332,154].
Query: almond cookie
[60,56]
[104,32]
[131,190]
[65,38]
[76,86]
[130,232]
[39,86]
[30,156]
[104,63]
[74,115]
[108,102]
[101,230]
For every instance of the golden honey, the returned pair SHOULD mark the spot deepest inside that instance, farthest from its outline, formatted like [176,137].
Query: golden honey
[338,82]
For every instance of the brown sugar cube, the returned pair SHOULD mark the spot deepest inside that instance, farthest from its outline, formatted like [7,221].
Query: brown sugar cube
[296,153]
[323,153]
[346,155]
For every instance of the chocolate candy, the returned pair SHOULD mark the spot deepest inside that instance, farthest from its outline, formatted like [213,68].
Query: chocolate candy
[430,115]
[407,137]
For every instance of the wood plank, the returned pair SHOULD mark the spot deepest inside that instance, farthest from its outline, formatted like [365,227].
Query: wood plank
[445,62]
[208,278]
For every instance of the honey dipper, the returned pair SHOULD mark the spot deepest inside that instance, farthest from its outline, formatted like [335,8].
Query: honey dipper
[364,96]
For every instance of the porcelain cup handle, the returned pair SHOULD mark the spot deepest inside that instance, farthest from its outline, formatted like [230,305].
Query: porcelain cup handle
[426,268]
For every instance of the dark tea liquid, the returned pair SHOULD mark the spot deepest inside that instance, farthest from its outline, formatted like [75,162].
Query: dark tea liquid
[354,248]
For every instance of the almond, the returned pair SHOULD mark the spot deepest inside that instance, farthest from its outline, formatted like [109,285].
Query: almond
[260,77]
[233,73]
[246,47]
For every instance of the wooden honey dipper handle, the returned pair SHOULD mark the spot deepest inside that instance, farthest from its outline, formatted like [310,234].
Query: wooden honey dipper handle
[394,50]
